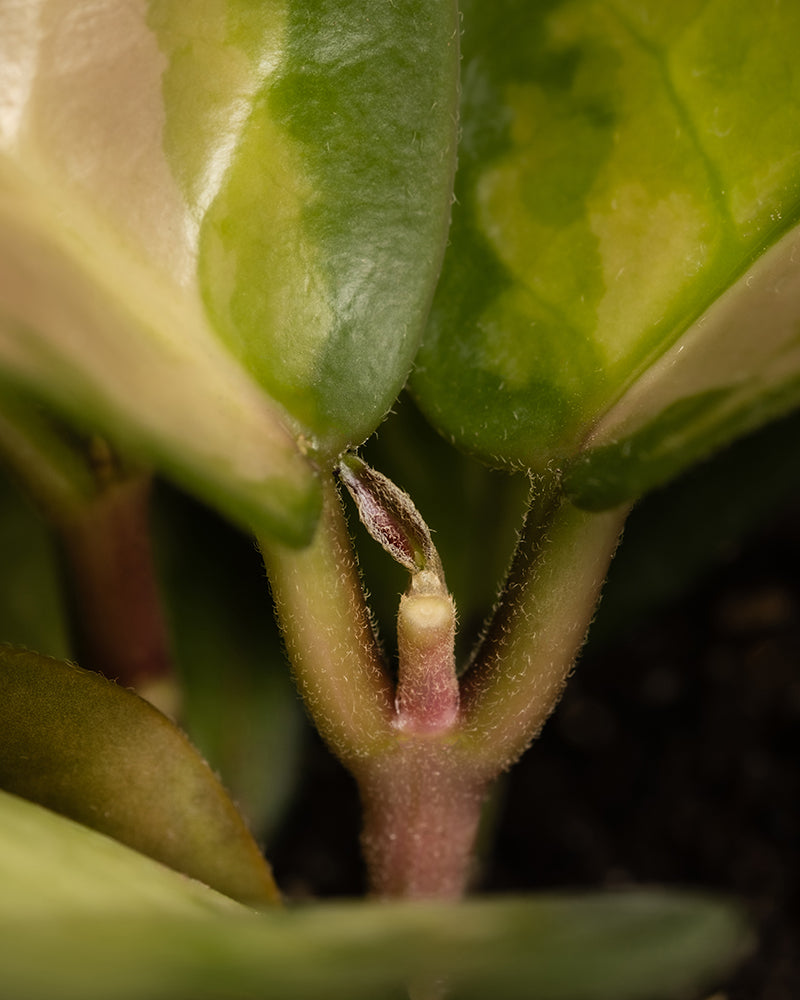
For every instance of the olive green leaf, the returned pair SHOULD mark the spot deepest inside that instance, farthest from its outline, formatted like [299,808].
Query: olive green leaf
[82,746]
[55,867]
[620,294]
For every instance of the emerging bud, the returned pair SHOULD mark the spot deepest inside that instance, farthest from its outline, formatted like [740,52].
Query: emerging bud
[427,689]
[390,517]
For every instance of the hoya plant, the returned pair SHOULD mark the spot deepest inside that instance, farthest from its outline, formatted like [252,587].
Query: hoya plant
[230,234]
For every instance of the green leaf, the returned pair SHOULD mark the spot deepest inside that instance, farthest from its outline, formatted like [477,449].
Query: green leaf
[732,370]
[83,917]
[53,867]
[82,746]
[620,291]
[221,226]
[325,201]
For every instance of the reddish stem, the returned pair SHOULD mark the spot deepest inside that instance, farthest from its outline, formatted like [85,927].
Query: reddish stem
[427,686]
[423,765]
[422,807]
[115,607]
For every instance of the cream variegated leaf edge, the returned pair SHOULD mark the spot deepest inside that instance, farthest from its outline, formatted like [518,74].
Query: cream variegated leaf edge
[100,313]
[734,368]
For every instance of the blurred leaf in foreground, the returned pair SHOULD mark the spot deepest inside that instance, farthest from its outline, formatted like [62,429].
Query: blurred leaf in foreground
[85,747]
[113,925]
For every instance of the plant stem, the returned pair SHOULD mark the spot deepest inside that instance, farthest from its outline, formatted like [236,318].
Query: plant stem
[422,806]
[47,461]
[422,800]
[113,598]
[329,636]
[427,686]
[98,512]
[424,756]
[519,671]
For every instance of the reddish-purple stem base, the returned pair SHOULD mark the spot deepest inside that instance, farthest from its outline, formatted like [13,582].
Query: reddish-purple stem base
[422,808]
[115,608]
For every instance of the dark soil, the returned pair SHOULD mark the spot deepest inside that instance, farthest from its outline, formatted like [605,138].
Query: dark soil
[671,760]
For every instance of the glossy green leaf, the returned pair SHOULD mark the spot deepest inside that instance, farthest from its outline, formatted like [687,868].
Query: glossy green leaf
[83,917]
[221,225]
[325,203]
[621,281]
[82,746]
